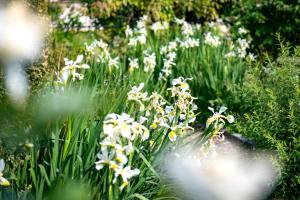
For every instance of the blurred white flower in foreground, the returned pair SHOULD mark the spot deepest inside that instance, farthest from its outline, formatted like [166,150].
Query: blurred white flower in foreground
[21,32]
[230,174]
[16,83]
[21,39]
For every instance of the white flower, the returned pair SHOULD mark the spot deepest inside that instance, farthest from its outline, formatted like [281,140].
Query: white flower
[181,83]
[115,125]
[86,23]
[126,174]
[70,69]
[141,39]
[171,55]
[121,158]
[172,46]
[133,64]
[113,62]
[135,94]
[223,28]
[128,31]
[251,56]
[230,118]
[172,135]
[218,118]
[242,31]
[104,157]
[149,62]
[132,42]
[139,129]
[3,181]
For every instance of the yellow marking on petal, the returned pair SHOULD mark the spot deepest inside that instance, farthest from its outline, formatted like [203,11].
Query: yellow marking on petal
[172,135]
[184,85]
[153,126]
[113,165]
[28,145]
[151,142]
[6,183]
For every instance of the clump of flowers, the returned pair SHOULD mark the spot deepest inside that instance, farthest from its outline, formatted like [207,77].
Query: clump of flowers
[187,29]
[212,40]
[120,131]
[239,47]
[219,27]
[157,27]
[74,18]
[138,35]
[189,43]
[169,52]
[98,50]
[175,117]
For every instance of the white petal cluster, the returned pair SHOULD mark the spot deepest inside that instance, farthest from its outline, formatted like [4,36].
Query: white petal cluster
[241,48]
[212,40]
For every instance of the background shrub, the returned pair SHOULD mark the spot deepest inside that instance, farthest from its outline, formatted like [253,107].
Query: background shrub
[266,18]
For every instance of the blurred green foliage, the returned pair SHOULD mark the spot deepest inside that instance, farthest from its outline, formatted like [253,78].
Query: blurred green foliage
[269,114]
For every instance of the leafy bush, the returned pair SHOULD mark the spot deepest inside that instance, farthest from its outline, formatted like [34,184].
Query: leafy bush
[265,18]
[269,114]
[126,10]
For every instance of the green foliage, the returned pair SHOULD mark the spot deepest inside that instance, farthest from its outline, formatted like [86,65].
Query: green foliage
[266,18]
[269,114]
[158,9]
[205,10]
